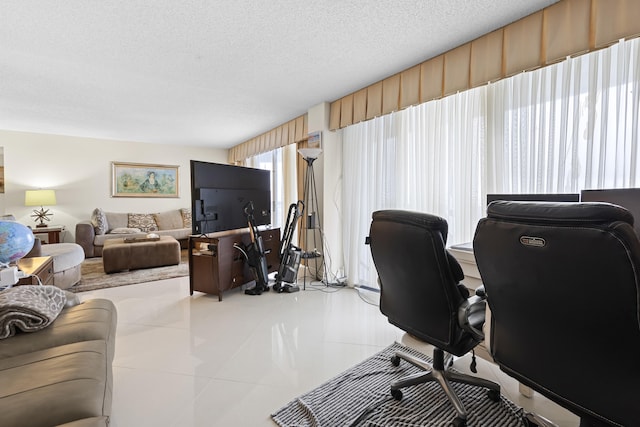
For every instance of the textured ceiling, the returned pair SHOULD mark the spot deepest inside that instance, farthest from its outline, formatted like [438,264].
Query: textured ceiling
[213,72]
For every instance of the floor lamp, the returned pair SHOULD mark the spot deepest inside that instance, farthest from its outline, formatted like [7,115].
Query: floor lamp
[312,219]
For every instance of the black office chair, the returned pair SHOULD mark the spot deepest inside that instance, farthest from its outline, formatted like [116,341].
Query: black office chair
[421,293]
[563,284]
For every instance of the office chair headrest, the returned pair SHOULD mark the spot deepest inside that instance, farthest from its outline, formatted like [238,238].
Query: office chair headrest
[559,212]
[418,219]
[423,220]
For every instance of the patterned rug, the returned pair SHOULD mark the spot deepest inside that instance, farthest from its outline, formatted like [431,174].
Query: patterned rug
[94,277]
[360,397]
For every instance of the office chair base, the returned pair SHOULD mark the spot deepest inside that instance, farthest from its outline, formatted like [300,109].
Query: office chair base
[437,372]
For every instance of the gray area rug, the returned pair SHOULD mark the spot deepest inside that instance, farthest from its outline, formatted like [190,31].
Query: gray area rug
[94,277]
[360,396]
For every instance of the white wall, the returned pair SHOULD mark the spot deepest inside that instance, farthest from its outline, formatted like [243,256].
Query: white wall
[79,169]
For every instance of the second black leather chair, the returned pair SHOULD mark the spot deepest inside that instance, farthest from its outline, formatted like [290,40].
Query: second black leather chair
[563,285]
[421,293]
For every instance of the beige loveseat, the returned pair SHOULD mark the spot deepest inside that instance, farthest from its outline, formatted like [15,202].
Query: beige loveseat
[91,234]
[60,375]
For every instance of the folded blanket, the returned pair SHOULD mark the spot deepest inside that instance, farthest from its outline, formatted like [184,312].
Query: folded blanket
[29,308]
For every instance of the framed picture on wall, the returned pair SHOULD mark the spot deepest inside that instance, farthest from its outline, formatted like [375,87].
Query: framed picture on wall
[314,140]
[143,180]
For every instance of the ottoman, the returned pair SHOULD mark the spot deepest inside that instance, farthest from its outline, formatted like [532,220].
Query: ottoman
[118,255]
[67,261]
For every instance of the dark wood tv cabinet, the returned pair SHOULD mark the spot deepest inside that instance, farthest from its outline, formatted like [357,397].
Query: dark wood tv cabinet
[216,266]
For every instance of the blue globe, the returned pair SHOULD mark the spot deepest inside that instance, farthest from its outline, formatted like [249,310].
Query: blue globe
[16,240]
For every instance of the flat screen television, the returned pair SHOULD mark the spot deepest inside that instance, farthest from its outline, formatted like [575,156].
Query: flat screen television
[628,198]
[220,193]
[545,197]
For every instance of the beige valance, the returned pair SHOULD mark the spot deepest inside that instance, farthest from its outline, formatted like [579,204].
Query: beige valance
[566,28]
[287,133]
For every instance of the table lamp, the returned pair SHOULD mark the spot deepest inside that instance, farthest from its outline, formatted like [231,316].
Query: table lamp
[40,198]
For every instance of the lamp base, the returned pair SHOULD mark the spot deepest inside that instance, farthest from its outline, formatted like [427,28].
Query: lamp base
[41,215]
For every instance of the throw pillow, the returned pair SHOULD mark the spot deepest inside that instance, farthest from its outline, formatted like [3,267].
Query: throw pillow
[99,221]
[144,222]
[186,217]
[170,220]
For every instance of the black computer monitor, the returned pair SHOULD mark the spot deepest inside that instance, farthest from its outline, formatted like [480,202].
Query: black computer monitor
[628,198]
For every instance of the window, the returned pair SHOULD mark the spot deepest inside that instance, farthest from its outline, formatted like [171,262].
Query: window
[560,129]
[281,163]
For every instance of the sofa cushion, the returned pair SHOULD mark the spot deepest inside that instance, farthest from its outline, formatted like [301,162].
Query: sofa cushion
[117,220]
[125,230]
[99,240]
[99,221]
[169,220]
[145,222]
[94,319]
[186,217]
[56,385]
[178,234]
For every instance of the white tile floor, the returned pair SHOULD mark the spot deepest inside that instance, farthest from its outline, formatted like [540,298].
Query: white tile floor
[186,360]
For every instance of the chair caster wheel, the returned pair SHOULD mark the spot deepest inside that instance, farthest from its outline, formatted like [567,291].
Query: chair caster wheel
[494,395]
[459,422]
[395,360]
[397,394]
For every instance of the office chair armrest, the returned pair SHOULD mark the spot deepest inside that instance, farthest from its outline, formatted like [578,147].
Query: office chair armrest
[470,313]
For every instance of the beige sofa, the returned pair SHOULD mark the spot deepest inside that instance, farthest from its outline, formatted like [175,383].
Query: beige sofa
[92,234]
[61,375]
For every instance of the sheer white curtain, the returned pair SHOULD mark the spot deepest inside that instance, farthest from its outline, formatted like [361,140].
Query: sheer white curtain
[424,158]
[567,127]
[563,128]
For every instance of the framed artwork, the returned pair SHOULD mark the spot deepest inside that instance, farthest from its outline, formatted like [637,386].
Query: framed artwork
[314,140]
[143,180]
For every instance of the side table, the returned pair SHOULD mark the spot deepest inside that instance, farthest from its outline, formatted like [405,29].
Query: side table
[52,232]
[34,268]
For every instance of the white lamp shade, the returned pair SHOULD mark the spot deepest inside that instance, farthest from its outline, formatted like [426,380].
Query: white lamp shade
[39,198]
[310,153]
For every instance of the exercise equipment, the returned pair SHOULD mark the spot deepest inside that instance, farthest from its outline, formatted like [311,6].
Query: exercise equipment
[289,254]
[254,254]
